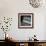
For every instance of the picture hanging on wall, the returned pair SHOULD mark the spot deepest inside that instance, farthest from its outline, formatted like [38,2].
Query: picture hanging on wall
[25,20]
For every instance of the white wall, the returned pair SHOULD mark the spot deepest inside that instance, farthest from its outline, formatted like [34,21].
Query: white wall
[45,28]
[11,8]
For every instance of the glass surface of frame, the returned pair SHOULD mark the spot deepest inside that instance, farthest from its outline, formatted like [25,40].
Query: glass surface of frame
[25,20]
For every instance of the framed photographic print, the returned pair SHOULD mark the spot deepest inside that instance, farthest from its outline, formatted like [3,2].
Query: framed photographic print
[25,20]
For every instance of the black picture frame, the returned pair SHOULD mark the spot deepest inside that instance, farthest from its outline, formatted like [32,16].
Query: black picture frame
[25,20]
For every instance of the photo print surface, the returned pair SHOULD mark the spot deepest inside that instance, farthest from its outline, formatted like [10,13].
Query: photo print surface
[25,20]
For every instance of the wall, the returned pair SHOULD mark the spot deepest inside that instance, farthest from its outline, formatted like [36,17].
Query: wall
[11,8]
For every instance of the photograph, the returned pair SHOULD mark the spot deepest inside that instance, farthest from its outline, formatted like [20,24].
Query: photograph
[25,20]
